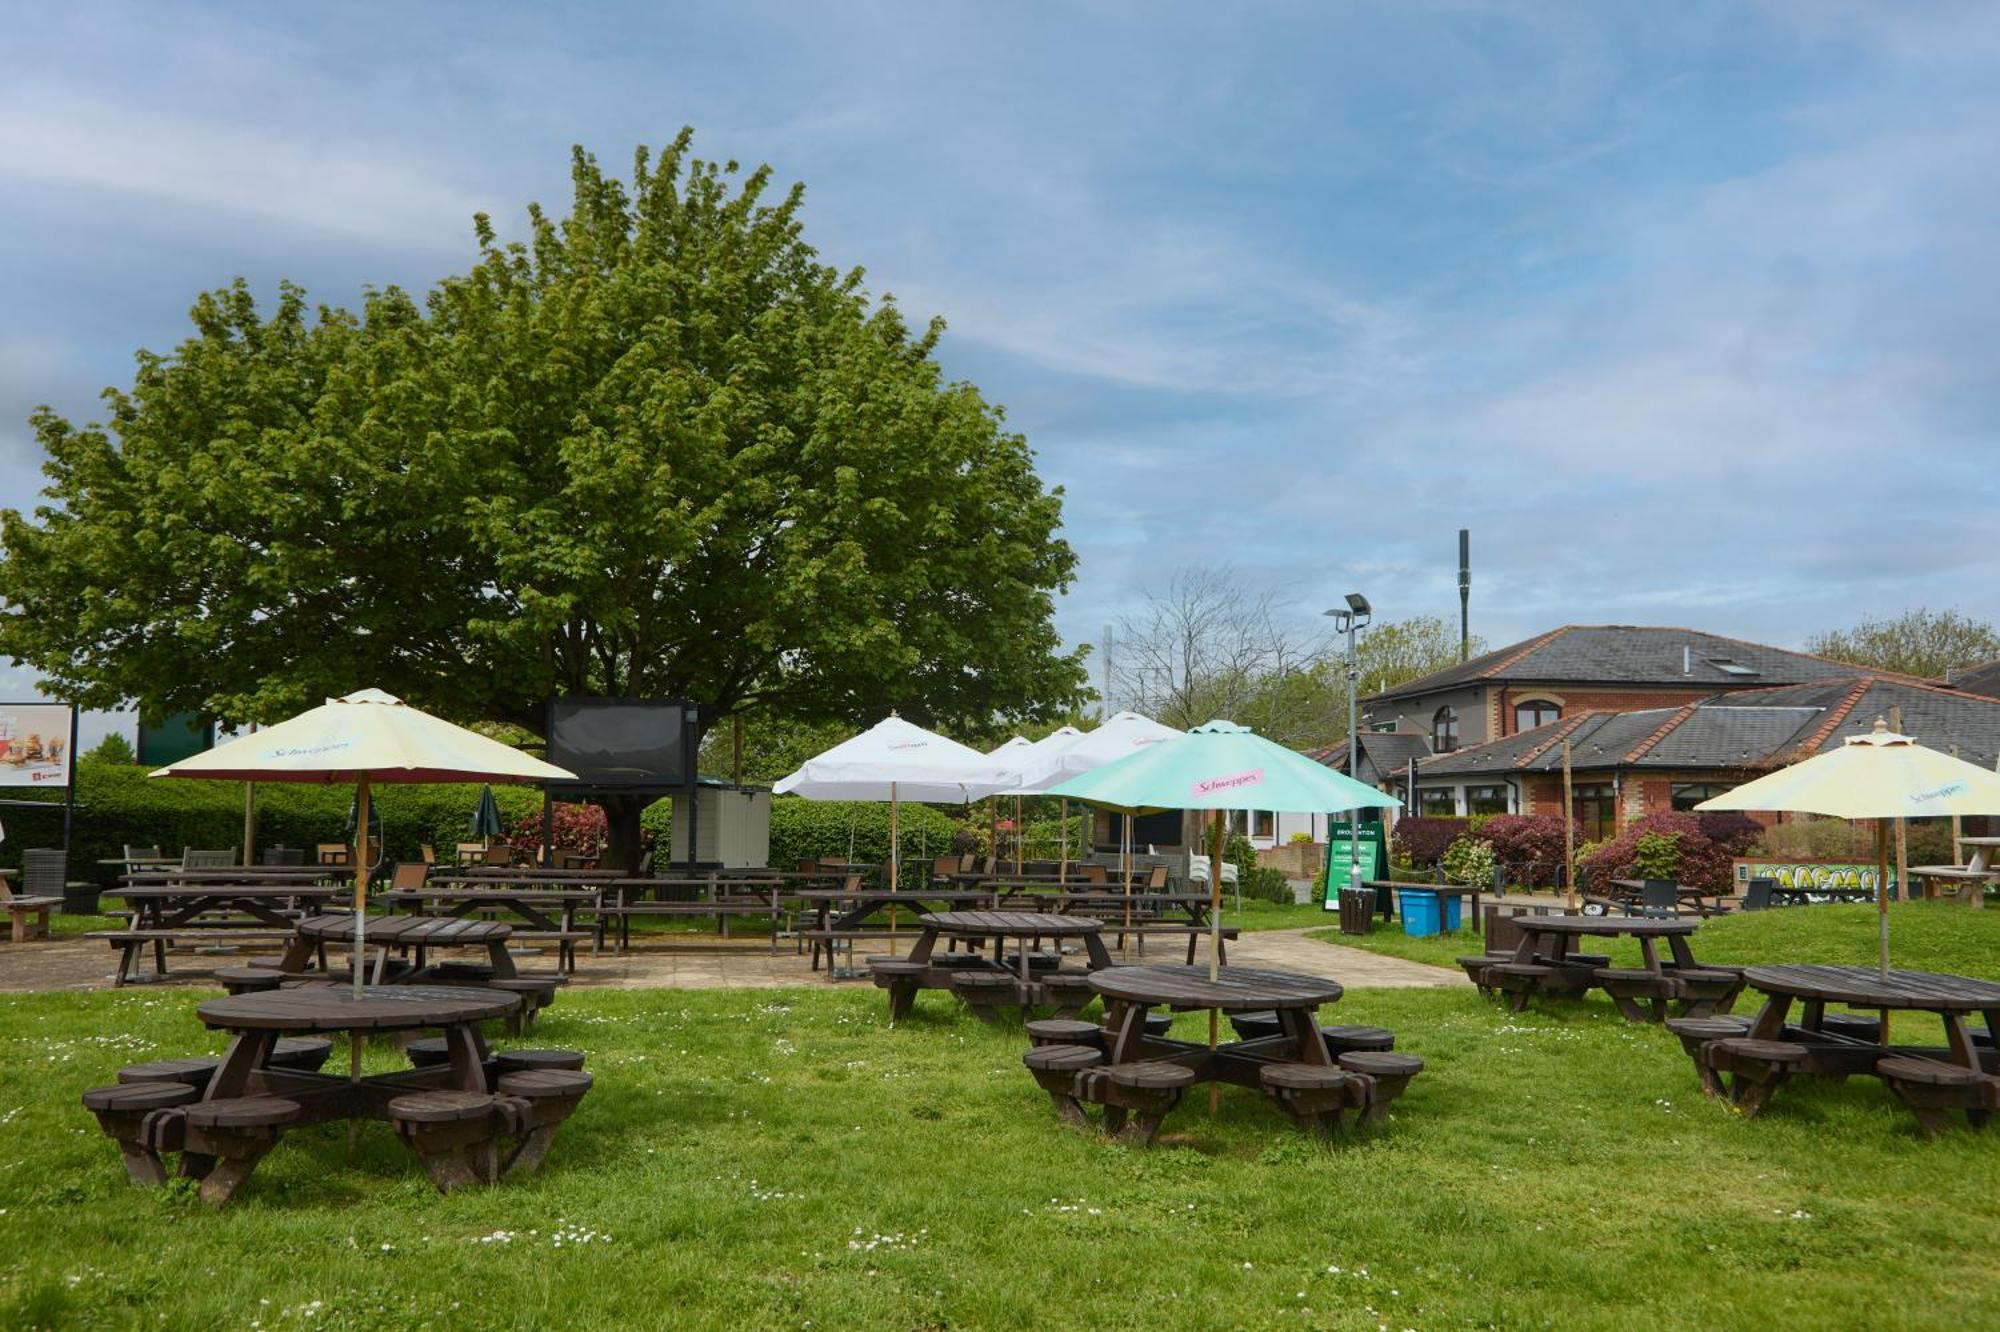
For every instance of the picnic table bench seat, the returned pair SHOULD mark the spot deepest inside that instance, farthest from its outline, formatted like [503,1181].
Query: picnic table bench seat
[1933,1091]
[537,992]
[122,1111]
[1475,964]
[1641,995]
[537,1061]
[989,994]
[1065,1031]
[1056,1069]
[1755,1068]
[1855,1026]
[457,1134]
[29,915]
[1695,1032]
[902,978]
[1519,980]
[248,980]
[1342,1040]
[1068,992]
[552,1096]
[1377,1078]
[1314,1095]
[131,943]
[226,1138]
[1706,990]
[1137,1097]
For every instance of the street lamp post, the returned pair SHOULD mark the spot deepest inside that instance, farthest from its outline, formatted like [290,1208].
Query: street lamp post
[1350,620]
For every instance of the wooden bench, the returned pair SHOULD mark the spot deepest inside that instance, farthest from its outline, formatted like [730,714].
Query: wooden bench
[1314,1095]
[1068,992]
[248,980]
[1934,1091]
[1520,980]
[552,1096]
[1707,991]
[1056,1069]
[234,1133]
[991,995]
[122,1111]
[1695,1032]
[29,915]
[131,943]
[1065,1031]
[1755,1068]
[537,992]
[1641,995]
[1357,1040]
[457,1134]
[1475,966]
[1377,1078]
[902,978]
[564,940]
[1136,1097]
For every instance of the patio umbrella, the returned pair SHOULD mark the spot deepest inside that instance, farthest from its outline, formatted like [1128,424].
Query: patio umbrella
[1219,766]
[897,761]
[1121,734]
[1037,756]
[366,737]
[1879,776]
[486,823]
[1011,754]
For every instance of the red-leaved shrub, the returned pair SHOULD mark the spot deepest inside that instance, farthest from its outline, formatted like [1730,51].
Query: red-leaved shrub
[1528,844]
[575,828]
[1703,863]
[1423,841]
[1734,833]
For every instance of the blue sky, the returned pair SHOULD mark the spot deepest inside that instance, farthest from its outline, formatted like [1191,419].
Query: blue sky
[1691,312]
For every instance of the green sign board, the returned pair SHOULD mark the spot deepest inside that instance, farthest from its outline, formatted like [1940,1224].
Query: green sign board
[1374,855]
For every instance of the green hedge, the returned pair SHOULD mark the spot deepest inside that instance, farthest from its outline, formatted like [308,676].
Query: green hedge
[119,804]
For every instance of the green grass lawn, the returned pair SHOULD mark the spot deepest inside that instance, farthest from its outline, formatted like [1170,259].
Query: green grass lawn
[785,1159]
[1923,936]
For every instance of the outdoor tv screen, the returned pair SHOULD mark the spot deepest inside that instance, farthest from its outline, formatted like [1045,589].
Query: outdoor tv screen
[620,742]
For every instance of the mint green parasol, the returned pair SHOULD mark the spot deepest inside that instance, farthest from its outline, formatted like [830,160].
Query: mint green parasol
[1220,766]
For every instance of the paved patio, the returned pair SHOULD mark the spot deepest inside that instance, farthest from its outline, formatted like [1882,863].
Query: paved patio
[708,962]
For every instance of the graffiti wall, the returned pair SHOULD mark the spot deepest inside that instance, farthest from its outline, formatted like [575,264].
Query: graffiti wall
[34,744]
[1822,876]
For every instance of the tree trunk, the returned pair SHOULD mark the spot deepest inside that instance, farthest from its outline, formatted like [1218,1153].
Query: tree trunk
[621,820]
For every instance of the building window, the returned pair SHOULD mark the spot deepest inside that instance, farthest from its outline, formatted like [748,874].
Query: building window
[1689,794]
[1437,803]
[1444,730]
[1263,823]
[1486,800]
[1596,810]
[1535,712]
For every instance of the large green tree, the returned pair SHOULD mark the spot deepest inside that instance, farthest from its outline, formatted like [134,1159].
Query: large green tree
[655,449]
[1919,642]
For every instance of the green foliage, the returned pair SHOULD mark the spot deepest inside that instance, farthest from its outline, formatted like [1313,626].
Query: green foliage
[1919,642]
[113,748]
[1807,837]
[118,804]
[1657,855]
[657,450]
[1468,860]
[859,830]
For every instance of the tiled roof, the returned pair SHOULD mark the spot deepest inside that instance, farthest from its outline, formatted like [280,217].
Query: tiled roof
[1748,729]
[1389,751]
[1623,654]
[1983,680]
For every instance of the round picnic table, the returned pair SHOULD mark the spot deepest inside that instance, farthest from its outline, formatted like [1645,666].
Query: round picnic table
[1128,992]
[419,932]
[1560,932]
[1950,997]
[1022,925]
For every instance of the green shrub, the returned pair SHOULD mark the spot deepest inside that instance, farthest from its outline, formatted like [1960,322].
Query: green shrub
[859,830]
[113,748]
[1657,855]
[1469,860]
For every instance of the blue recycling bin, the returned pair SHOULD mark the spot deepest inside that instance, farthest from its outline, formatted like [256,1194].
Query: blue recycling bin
[1426,913]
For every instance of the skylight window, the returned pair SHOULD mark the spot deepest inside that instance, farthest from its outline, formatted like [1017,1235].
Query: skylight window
[1728,667]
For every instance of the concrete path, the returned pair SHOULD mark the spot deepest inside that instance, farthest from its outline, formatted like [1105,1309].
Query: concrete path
[711,963]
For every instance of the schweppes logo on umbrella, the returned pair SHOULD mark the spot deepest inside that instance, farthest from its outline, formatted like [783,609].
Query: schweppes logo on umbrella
[1937,793]
[1209,786]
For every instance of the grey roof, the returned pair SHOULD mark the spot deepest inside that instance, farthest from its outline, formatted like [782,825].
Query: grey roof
[1625,654]
[1983,679]
[1748,729]
[1386,751]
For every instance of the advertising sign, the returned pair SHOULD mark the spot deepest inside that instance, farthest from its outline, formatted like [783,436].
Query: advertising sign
[1373,855]
[34,744]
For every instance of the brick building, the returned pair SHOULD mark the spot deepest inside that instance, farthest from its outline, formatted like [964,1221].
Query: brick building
[1582,669]
[1627,764]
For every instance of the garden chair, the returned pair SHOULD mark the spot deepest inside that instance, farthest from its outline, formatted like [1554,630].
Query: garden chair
[1757,897]
[468,853]
[408,875]
[942,868]
[282,856]
[429,854]
[500,855]
[133,853]
[192,858]
[334,853]
[41,892]
[1659,899]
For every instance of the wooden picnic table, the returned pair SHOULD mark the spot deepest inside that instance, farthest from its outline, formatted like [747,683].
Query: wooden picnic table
[1633,889]
[169,906]
[1950,997]
[1545,961]
[416,933]
[1397,887]
[530,905]
[992,984]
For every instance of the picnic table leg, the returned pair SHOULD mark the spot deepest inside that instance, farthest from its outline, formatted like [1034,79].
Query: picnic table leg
[1302,1026]
[1770,1023]
[1650,954]
[246,1055]
[501,959]
[1094,949]
[1683,955]
[1959,1041]
[1125,1030]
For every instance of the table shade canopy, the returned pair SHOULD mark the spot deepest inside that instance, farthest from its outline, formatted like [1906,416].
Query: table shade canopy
[1880,775]
[365,734]
[1054,762]
[1033,758]
[895,753]
[1216,766]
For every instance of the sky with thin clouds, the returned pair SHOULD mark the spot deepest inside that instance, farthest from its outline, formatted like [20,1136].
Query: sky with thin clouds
[1691,311]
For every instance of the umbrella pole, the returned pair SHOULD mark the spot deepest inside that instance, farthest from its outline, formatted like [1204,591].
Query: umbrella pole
[1018,832]
[249,825]
[360,888]
[1214,934]
[895,867]
[1882,903]
[1062,865]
